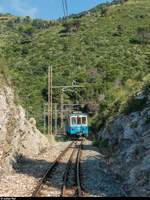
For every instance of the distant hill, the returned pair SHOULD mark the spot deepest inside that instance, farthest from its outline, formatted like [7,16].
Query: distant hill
[105,49]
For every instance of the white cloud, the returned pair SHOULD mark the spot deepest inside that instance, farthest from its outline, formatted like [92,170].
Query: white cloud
[22,8]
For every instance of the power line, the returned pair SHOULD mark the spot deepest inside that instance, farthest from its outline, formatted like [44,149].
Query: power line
[63,5]
[65,8]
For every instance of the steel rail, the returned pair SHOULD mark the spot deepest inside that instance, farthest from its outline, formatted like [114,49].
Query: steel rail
[65,178]
[47,173]
[79,191]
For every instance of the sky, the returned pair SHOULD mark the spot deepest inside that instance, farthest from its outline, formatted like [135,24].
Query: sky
[46,9]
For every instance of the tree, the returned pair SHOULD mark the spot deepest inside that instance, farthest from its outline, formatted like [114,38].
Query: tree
[72,25]
[17,20]
[143,34]
[29,30]
[27,19]
[120,29]
[92,75]
[10,24]
[81,77]
[20,28]
[104,11]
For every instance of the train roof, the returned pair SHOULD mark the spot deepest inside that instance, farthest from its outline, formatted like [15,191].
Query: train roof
[78,113]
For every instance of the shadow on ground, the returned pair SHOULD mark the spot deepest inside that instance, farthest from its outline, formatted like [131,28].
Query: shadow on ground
[90,171]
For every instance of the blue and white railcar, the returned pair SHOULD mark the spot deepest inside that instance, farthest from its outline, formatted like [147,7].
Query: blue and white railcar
[77,124]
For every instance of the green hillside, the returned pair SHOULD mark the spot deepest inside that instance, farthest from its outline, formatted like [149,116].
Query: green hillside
[106,50]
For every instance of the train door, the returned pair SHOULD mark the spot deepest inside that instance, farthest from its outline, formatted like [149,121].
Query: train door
[73,121]
[84,125]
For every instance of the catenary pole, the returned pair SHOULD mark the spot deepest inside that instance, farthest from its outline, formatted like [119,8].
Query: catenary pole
[50,100]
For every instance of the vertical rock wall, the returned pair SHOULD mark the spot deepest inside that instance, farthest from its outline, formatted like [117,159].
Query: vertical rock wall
[18,136]
[127,143]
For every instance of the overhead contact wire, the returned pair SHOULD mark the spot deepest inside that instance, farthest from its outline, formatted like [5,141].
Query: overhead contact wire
[66,7]
[63,5]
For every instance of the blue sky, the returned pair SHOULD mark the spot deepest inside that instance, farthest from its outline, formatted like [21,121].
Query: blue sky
[45,9]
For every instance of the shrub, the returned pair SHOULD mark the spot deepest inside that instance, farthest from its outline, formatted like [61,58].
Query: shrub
[95,143]
[144,34]
[29,30]
[146,89]
[104,11]
[133,124]
[104,142]
[4,72]
[137,151]
[72,25]
[133,104]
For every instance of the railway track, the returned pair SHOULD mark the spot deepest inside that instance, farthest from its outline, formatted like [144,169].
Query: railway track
[62,178]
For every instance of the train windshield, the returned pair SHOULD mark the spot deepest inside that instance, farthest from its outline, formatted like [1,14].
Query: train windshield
[78,120]
[73,120]
[83,120]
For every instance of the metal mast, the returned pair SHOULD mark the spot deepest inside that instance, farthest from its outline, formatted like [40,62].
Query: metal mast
[56,118]
[50,100]
[62,103]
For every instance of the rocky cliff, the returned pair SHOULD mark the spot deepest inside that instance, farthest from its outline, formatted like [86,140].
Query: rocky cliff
[126,142]
[18,136]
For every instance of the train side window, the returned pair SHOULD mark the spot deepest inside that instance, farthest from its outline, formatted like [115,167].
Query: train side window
[78,120]
[83,120]
[73,121]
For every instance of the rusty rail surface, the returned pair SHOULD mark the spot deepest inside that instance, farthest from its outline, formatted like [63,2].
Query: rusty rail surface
[76,191]
[66,174]
[47,173]
[71,165]
[79,191]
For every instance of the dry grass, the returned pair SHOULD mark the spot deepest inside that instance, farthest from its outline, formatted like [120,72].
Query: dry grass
[51,139]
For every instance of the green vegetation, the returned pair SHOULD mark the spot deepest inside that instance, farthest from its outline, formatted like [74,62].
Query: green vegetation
[106,50]
[95,143]
[133,124]
[137,151]
[134,105]
[104,143]
[4,72]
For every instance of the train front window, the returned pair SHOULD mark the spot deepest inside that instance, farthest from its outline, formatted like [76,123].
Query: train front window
[78,120]
[73,121]
[83,120]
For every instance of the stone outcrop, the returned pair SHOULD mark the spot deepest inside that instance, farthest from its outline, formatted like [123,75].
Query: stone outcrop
[127,143]
[18,136]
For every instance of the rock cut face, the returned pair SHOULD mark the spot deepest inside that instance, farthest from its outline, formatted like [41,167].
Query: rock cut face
[18,136]
[129,142]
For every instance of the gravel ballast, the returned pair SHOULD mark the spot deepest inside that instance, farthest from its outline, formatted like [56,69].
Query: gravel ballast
[22,181]
[95,181]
